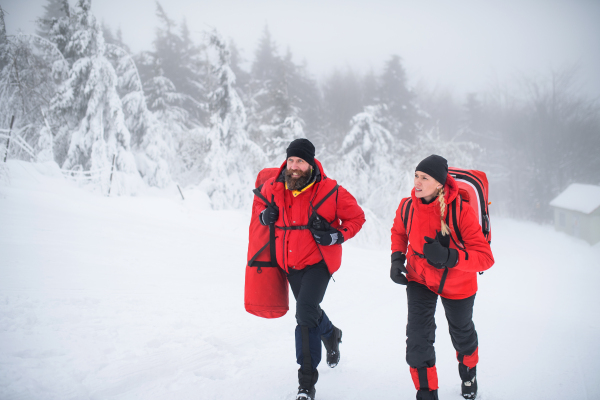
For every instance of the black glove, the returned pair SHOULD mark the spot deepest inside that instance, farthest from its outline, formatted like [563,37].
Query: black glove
[269,214]
[437,255]
[398,269]
[322,231]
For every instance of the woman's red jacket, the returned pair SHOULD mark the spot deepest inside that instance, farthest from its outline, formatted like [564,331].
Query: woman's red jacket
[461,281]
[295,249]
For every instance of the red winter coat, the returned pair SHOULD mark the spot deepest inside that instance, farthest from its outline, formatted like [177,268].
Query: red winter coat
[461,281]
[296,249]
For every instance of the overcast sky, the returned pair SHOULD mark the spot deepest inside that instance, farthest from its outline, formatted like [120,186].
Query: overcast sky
[462,44]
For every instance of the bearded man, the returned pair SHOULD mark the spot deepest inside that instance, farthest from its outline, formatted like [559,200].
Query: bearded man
[313,216]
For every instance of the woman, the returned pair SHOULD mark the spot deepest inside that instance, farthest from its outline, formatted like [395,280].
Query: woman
[436,265]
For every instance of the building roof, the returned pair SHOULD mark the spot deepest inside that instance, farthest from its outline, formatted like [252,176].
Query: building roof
[578,197]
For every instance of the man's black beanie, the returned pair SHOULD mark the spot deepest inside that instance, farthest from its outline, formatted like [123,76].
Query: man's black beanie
[434,166]
[302,148]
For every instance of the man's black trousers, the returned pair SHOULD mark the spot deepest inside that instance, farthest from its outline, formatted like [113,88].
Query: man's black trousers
[420,330]
[309,286]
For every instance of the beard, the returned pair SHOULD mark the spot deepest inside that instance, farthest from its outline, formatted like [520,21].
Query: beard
[299,182]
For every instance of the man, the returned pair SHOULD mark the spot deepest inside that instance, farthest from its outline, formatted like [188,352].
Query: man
[313,216]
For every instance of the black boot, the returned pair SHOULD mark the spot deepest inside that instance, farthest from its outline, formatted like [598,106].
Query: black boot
[332,345]
[306,394]
[427,395]
[306,390]
[469,381]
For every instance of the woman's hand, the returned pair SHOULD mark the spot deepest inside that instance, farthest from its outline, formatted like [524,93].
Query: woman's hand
[437,255]
[398,269]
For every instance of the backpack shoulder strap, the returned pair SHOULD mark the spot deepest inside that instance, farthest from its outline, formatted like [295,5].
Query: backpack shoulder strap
[452,209]
[405,212]
[320,203]
[455,219]
[258,194]
[271,241]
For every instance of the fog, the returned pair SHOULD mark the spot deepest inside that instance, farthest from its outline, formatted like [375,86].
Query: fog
[463,45]
[206,94]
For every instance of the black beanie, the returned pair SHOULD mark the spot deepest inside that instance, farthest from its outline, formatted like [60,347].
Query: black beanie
[302,148]
[434,166]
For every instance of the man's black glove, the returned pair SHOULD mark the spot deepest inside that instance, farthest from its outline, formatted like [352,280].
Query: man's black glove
[269,214]
[438,255]
[322,231]
[398,269]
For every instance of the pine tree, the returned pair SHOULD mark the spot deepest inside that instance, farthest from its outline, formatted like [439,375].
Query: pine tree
[53,11]
[232,160]
[402,113]
[274,112]
[151,141]
[366,162]
[89,106]
[342,100]
[26,85]
[179,60]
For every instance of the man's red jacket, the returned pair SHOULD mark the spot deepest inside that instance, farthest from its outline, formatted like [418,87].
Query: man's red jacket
[296,249]
[461,281]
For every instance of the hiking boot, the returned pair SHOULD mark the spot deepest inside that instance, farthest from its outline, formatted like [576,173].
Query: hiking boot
[306,394]
[332,345]
[469,383]
[307,381]
[469,389]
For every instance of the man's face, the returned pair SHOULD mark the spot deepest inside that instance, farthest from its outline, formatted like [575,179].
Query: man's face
[297,164]
[298,173]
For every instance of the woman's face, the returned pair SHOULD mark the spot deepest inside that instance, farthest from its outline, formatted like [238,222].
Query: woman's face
[425,186]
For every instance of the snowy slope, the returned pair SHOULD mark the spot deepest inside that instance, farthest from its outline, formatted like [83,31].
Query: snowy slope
[142,298]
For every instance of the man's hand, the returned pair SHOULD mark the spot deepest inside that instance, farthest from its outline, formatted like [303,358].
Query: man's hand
[322,231]
[398,269]
[269,214]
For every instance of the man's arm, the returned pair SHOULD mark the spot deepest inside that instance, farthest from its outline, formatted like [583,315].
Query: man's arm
[350,213]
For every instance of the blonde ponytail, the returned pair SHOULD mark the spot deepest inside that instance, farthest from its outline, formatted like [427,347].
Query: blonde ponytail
[445,229]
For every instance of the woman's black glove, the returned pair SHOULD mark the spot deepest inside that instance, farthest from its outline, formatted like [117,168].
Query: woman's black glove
[269,214]
[398,269]
[322,231]
[437,255]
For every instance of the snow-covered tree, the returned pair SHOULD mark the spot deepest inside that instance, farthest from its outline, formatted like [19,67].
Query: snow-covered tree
[53,11]
[89,105]
[342,100]
[402,113]
[151,140]
[368,164]
[274,112]
[232,159]
[30,65]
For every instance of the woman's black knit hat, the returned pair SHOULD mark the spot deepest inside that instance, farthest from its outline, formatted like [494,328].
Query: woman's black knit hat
[434,166]
[302,148]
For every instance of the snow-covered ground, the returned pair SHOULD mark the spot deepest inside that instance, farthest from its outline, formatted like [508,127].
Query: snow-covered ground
[142,298]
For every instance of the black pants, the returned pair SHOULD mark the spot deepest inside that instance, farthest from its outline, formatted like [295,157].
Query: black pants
[309,286]
[420,330]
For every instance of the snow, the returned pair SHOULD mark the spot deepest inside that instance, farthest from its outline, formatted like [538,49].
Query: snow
[579,197]
[142,298]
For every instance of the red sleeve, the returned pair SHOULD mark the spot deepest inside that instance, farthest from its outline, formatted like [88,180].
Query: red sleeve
[399,237]
[350,213]
[477,255]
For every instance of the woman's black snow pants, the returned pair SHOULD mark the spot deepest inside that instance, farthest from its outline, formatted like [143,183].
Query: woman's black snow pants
[420,333]
[309,285]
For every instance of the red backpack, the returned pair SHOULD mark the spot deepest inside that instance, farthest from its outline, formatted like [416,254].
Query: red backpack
[266,292]
[475,183]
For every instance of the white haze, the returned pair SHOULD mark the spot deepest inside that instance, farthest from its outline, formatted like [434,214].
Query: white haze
[463,45]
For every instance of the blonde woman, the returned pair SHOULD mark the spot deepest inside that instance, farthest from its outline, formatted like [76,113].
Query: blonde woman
[427,259]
